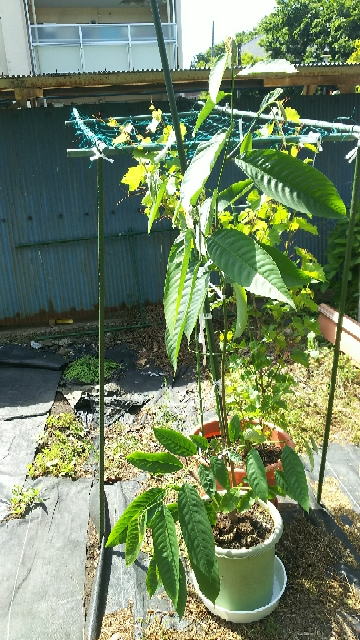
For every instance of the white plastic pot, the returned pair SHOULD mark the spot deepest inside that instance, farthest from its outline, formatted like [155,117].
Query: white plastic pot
[247,575]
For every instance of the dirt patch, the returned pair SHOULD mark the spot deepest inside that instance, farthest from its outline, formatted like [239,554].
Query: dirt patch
[92,557]
[246,530]
[61,405]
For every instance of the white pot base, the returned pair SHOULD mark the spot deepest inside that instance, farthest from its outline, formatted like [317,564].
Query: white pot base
[280,580]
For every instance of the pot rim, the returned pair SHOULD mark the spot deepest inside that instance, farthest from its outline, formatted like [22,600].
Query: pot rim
[238,554]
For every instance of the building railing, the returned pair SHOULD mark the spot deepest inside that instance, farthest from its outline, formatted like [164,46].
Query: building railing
[69,48]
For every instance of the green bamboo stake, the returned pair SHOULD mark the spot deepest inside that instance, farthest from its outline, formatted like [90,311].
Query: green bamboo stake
[100,203]
[344,282]
[168,83]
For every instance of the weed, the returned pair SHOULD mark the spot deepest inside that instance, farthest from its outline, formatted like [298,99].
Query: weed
[86,369]
[22,499]
[63,448]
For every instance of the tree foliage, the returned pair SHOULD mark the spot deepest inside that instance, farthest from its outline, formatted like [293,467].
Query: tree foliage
[299,30]
[206,59]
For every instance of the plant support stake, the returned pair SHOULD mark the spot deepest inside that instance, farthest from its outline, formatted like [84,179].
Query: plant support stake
[345,275]
[100,197]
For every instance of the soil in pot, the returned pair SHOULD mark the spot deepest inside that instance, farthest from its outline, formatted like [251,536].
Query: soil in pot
[244,530]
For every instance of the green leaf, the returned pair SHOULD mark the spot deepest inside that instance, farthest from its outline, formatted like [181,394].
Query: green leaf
[156,204]
[174,510]
[200,442]
[234,429]
[211,512]
[200,167]
[243,261]
[207,480]
[185,316]
[254,436]
[297,355]
[181,603]
[233,193]
[216,75]
[143,502]
[135,535]
[270,97]
[282,484]
[177,270]
[166,552]
[196,529]
[175,442]
[235,457]
[196,303]
[207,109]
[293,183]
[241,310]
[153,580]
[246,501]
[209,584]
[313,444]
[295,477]
[246,144]
[291,275]
[230,501]
[157,463]
[220,471]
[255,472]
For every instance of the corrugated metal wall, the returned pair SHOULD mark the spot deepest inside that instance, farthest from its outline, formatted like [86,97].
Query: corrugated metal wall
[48,215]
[48,226]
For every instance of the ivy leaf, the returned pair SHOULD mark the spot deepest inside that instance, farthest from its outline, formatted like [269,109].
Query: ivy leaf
[175,442]
[156,463]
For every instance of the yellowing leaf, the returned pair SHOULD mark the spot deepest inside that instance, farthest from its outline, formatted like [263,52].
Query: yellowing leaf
[121,138]
[294,151]
[113,123]
[134,176]
[292,114]
[182,129]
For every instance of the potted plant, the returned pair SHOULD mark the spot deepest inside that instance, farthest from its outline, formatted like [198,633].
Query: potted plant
[212,240]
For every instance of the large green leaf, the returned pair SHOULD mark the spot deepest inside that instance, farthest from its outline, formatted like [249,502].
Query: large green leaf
[293,183]
[156,463]
[143,502]
[197,300]
[153,580]
[156,204]
[233,193]
[209,584]
[200,168]
[234,429]
[175,442]
[181,603]
[241,310]
[135,535]
[243,261]
[166,552]
[216,75]
[292,276]
[177,269]
[207,109]
[196,529]
[295,477]
[255,473]
[173,340]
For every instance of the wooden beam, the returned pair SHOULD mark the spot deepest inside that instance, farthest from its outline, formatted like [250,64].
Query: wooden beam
[309,89]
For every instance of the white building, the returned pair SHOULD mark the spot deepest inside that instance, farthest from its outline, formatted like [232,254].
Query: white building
[75,36]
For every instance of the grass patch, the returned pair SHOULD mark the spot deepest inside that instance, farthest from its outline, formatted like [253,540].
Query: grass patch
[86,369]
[63,449]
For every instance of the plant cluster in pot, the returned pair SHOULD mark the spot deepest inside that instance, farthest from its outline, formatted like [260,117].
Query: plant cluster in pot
[211,239]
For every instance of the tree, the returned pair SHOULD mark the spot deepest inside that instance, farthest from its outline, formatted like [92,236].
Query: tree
[205,59]
[355,56]
[300,30]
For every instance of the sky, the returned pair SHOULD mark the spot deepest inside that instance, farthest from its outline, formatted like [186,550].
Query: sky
[230,16]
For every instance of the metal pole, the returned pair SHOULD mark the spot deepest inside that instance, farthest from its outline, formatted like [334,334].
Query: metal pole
[100,202]
[168,83]
[345,275]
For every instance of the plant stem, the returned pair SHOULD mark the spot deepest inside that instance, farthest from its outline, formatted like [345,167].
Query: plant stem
[198,374]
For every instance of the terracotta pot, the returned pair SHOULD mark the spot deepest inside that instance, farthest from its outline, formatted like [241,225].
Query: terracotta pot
[211,429]
[350,331]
